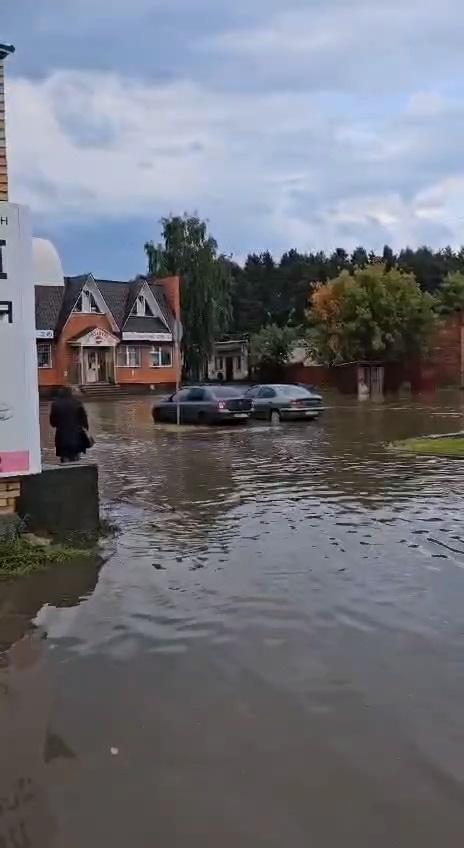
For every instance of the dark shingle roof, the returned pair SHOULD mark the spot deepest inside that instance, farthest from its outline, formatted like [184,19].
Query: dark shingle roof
[163,303]
[116,298]
[132,295]
[48,300]
[144,324]
[55,304]
[72,289]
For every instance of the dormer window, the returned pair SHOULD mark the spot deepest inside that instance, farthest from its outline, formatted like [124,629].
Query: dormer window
[141,309]
[87,304]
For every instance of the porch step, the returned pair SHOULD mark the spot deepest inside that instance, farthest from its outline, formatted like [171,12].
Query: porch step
[107,391]
[100,391]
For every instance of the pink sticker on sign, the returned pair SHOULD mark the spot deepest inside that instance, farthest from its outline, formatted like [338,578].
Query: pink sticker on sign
[14,462]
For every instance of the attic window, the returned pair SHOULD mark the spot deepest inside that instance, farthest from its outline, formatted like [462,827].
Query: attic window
[86,303]
[141,309]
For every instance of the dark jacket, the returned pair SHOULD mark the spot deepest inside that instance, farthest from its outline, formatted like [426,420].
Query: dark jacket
[69,418]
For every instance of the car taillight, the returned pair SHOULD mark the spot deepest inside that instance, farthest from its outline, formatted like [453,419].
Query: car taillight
[222,404]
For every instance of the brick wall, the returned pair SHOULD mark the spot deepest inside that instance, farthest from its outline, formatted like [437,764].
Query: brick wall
[3,165]
[9,493]
[146,375]
[446,355]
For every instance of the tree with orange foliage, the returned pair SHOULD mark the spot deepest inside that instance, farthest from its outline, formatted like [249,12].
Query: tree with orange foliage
[372,314]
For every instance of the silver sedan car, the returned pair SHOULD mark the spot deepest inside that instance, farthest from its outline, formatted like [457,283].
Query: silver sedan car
[275,402]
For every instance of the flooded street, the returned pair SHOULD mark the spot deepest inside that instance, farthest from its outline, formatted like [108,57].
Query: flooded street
[273,652]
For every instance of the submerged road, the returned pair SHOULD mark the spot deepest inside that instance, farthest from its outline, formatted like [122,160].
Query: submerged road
[272,654]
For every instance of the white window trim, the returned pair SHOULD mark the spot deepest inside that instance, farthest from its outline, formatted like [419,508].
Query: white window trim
[126,348]
[84,297]
[158,347]
[141,307]
[150,298]
[92,286]
[45,367]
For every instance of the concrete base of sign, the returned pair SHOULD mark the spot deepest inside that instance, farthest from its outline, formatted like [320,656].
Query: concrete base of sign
[62,502]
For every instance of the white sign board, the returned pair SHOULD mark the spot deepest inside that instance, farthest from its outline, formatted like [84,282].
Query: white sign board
[147,337]
[19,394]
[44,334]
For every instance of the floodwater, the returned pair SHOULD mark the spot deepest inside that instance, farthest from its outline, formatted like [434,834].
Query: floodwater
[272,653]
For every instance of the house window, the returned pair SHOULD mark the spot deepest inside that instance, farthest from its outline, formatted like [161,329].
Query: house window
[238,363]
[129,356]
[161,357]
[141,308]
[44,355]
[86,303]
[219,363]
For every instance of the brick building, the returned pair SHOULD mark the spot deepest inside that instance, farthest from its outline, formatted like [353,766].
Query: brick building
[94,332]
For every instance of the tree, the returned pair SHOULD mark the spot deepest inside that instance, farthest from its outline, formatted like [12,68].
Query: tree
[271,348]
[370,315]
[189,251]
[450,296]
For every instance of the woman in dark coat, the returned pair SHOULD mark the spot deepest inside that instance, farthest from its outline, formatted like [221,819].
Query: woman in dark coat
[69,418]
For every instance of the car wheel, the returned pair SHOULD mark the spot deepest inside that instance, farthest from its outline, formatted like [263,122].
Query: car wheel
[275,416]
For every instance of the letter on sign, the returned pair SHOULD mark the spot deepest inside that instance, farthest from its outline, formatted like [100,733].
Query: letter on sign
[2,272]
[6,312]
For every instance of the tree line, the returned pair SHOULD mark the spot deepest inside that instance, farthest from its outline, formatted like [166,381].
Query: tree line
[386,302]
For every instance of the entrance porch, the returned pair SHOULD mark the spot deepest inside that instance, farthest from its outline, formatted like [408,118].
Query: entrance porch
[93,358]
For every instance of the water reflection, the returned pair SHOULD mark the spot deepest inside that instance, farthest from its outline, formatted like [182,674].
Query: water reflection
[28,742]
[25,700]
[275,647]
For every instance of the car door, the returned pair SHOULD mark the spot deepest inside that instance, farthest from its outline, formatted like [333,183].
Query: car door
[170,407]
[195,405]
[252,394]
[264,401]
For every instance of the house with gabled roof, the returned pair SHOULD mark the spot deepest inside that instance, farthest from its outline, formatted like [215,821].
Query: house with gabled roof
[94,332]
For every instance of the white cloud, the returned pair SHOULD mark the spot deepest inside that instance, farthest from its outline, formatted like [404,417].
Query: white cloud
[288,169]
[359,45]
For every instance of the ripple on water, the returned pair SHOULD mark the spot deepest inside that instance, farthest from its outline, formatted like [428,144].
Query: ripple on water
[273,581]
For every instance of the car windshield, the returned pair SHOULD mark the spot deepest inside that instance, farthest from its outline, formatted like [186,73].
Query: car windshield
[293,391]
[225,392]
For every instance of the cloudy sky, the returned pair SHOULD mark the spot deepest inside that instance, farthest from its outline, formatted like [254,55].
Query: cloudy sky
[287,123]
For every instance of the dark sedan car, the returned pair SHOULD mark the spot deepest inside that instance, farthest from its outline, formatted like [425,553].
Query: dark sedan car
[204,405]
[275,402]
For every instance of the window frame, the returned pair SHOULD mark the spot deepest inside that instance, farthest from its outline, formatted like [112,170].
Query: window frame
[180,396]
[43,345]
[141,308]
[253,391]
[127,348]
[85,299]
[201,399]
[268,389]
[160,348]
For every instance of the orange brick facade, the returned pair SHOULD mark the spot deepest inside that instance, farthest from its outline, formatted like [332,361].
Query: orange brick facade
[151,363]
[446,357]
[443,366]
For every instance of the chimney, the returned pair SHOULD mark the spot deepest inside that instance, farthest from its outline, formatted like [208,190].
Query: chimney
[171,287]
[5,50]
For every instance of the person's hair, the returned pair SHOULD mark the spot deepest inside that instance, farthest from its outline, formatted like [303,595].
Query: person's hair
[64,392]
